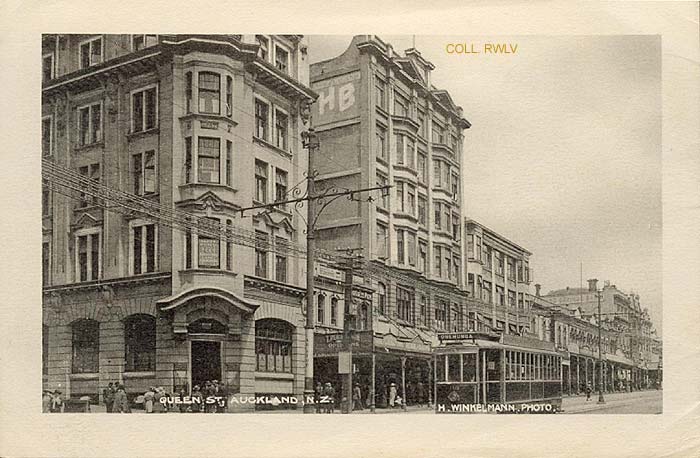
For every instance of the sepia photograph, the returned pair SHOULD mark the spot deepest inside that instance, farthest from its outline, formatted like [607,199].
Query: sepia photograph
[360,224]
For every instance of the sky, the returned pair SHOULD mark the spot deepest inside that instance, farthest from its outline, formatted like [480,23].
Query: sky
[564,153]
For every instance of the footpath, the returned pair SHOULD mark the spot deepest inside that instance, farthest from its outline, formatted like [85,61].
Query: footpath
[578,404]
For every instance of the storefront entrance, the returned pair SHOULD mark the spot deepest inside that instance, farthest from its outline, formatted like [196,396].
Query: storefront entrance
[205,361]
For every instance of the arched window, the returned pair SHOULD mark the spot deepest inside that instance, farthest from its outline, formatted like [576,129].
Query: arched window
[363,319]
[334,310]
[140,340]
[320,308]
[86,346]
[381,296]
[273,345]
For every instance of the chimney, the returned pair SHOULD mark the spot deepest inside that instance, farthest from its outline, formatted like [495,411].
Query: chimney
[593,284]
[537,289]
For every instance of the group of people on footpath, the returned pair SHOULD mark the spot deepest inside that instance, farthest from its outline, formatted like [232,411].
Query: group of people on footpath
[324,397]
[115,398]
[199,395]
[51,401]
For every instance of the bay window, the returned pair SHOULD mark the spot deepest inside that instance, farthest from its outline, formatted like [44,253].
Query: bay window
[208,156]
[282,59]
[208,247]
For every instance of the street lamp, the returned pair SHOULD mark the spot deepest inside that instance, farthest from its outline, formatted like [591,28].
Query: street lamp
[601,399]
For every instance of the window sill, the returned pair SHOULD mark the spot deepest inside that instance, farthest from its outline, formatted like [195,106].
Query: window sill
[274,375]
[265,143]
[88,146]
[382,161]
[208,271]
[382,210]
[382,110]
[191,116]
[139,374]
[142,133]
[406,168]
[194,185]
[85,376]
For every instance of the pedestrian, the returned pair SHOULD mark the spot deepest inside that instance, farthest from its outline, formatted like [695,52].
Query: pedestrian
[357,398]
[121,402]
[420,393]
[222,404]
[108,397]
[56,402]
[209,393]
[148,398]
[182,406]
[46,401]
[318,394]
[329,393]
[196,399]
[589,390]
[392,394]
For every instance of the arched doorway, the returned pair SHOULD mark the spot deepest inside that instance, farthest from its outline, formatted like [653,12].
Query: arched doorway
[206,336]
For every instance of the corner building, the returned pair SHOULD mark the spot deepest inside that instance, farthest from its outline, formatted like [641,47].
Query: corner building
[380,121]
[206,124]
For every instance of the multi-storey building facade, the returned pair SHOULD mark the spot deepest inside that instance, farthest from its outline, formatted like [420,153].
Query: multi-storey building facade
[498,277]
[201,124]
[574,330]
[380,121]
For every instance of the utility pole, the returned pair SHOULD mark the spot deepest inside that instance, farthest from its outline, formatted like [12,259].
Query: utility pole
[349,265]
[311,143]
[601,399]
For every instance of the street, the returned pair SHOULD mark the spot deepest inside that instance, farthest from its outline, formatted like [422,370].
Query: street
[639,402]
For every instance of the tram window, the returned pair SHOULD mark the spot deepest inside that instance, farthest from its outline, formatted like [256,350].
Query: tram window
[453,368]
[440,368]
[469,367]
[493,366]
[509,367]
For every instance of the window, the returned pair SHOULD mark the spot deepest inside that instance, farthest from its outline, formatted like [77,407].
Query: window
[410,153]
[280,185]
[261,181]
[320,308]
[144,109]
[381,297]
[261,121]
[209,92]
[47,68]
[188,160]
[399,148]
[437,175]
[88,256]
[511,298]
[422,210]
[411,248]
[486,292]
[188,91]
[438,133]
[334,310]
[438,260]
[144,172]
[400,105]
[85,346]
[188,249]
[209,247]
[46,136]
[229,96]
[208,157]
[281,59]
[90,124]
[448,263]
[422,167]
[478,248]
[381,143]
[511,268]
[229,244]
[404,303]
[423,309]
[45,200]
[411,199]
[45,263]
[382,234]
[423,122]
[399,196]
[446,215]
[380,91]
[499,263]
[44,350]
[229,162]
[400,241]
[140,343]
[470,246]
[143,248]
[383,181]
[423,257]
[455,142]
[281,130]
[441,314]
[455,187]
[500,295]
[273,346]
[281,260]
[456,229]
[438,215]
[261,254]
[91,52]
[456,266]
[263,46]
[139,42]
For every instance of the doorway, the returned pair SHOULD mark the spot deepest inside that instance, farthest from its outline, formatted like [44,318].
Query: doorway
[205,362]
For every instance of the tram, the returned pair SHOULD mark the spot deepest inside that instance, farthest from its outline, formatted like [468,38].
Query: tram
[487,372]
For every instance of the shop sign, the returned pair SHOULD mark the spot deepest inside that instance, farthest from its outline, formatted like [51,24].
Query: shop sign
[208,252]
[331,344]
